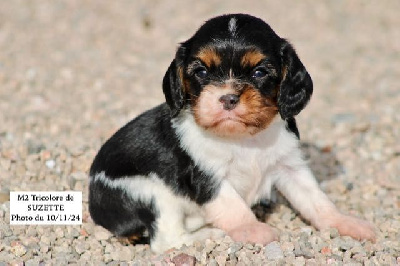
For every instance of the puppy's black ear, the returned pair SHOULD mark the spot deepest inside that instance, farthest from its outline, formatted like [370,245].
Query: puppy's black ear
[173,88]
[296,86]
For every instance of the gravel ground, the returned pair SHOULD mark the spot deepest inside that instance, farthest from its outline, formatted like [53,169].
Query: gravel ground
[72,72]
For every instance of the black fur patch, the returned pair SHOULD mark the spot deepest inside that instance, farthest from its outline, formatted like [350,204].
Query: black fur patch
[113,209]
[148,144]
[292,126]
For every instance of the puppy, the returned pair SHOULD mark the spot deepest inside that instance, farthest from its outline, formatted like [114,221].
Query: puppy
[191,168]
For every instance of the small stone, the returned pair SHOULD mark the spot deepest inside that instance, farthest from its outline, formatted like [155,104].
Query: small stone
[45,155]
[32,262]
[77,177]
[307,230]
[287,246]
[244,256]
[80,247]
[209,245]
[44,249]
[300,261]
[77,151]
[109,248]
[83,232]
[221,247]
[31,231]
[34,147]
[50,164]
[325,234]
[86,256]
[308,254]
[221,260]
[249,246]
[30,242]
[333,233]
[285,237]
[287,217]
[234,247]
[72,232]
[4,197]
[125,254]
[326,251]
[59,233]
[211,262]
[5,164]
[345,245]
[18,249]
[344,118]
[31,162]
[45,239]
[273,251]
[184,260]
[101,234]
[16,263]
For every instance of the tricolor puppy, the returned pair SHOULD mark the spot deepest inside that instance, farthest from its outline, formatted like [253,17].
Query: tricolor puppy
[192,167]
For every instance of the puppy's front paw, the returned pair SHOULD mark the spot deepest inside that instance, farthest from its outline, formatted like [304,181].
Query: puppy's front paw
[354,227]
[256,232]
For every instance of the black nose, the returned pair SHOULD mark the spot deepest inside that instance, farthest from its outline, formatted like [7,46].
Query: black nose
[229,101]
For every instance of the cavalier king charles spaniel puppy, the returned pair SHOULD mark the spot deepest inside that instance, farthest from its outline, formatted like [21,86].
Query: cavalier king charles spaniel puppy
[192,167]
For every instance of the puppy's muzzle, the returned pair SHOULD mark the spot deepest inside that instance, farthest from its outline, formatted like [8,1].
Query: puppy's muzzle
[229,101]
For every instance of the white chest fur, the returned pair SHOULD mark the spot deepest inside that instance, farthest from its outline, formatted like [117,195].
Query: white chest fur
[249,164]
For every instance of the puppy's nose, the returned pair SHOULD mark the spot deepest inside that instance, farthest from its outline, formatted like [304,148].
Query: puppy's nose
[229,101]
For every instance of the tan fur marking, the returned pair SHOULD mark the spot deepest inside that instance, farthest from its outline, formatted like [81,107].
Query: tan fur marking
[185,82]
[209,56]
[130,240]
[253,113]
[260,111]
[252,58]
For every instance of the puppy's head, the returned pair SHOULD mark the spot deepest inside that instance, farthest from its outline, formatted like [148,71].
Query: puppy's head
[235,75]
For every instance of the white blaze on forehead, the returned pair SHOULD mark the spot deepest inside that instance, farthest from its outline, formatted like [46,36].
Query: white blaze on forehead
[232,26]
[231,79]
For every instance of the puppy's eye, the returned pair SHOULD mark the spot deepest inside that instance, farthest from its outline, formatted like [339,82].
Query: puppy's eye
[259,72]
[201,72]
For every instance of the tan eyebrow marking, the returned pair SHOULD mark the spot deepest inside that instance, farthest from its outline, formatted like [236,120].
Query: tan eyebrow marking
[252,58]
[209,56]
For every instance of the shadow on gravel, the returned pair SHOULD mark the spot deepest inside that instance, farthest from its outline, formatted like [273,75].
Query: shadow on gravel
[323,164]
[322,161]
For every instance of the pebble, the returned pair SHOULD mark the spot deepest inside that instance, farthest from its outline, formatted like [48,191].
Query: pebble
[307,230]
[50,164]
[101,234]
[273,251]
[5,164]
[125,254]
[234,247]
[18,249]
[221,260]
[209,245]
[343,118]
[184,260]
[59,233]
[80,247]
[333,233]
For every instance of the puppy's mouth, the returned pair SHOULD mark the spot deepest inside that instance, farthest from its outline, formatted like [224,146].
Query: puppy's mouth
[223,116]
[229,119]
[226,114]
[227,127]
